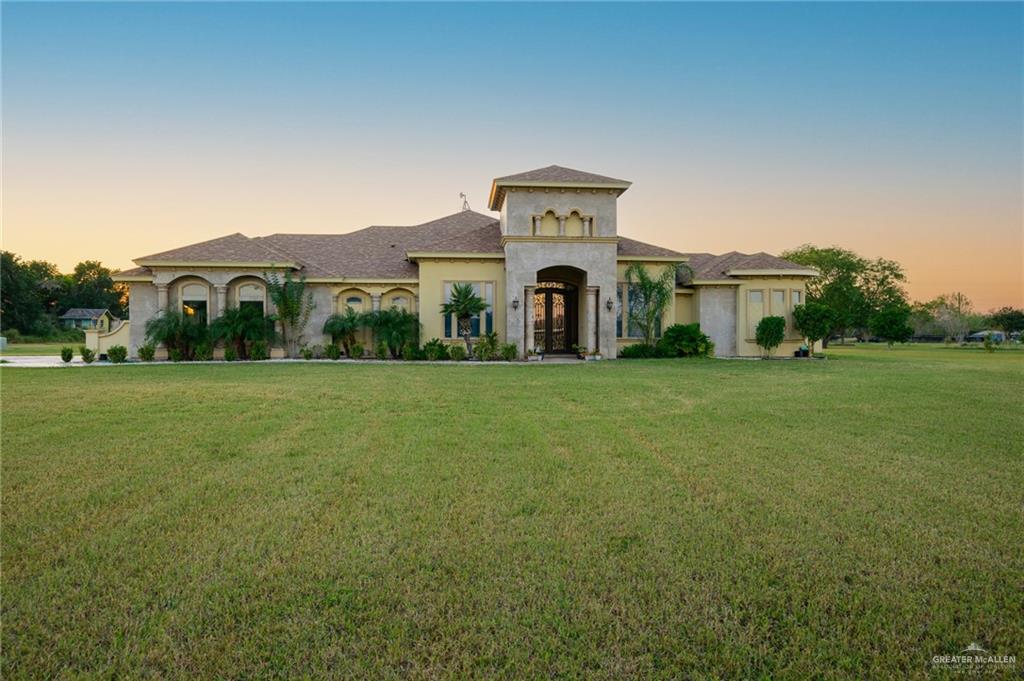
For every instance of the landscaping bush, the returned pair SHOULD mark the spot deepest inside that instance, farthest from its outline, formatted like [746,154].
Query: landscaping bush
[435,350]
[230,354]
[306,352]
[770,333]
[486,347]
[318,352]
[638,351]
[381,350]
[88,356]
[509,352]
[332,351]
[117,354]
[259,351]
[457,353]
[174,354]
[180,332]
[204,352]
[147,352]
[66,354]
[357,350]
[679,340]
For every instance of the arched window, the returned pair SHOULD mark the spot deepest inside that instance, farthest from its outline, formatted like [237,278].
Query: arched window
[549,224]
[252,296]
[195,301]
[355,302]
[574,225]
[401,302]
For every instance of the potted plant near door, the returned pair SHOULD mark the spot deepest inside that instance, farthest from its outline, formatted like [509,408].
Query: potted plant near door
[533,355]
[593,355]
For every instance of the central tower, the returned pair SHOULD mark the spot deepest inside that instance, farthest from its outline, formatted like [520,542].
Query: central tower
[559,233]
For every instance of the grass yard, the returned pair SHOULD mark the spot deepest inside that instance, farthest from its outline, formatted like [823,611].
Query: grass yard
[37,348]
[849,518]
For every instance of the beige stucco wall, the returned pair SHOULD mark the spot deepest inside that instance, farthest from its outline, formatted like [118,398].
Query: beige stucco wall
[433,275]
[522,204]
[746,346]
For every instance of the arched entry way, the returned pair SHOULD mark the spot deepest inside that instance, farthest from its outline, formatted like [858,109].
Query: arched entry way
[556,309]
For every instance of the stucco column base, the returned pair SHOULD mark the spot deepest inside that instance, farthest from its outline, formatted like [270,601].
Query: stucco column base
[161,297]
[592,340]
[528,292]
[222,299]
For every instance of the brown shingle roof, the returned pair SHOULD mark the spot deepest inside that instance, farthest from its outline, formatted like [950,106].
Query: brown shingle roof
[133,272]
[559,174]
[632,247]
[715,267]
[231,248]
[380,252]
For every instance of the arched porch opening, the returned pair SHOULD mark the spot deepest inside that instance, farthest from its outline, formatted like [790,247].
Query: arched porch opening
[555,313]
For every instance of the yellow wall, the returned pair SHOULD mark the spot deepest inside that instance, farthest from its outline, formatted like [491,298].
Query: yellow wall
[746,320]
[685,307]
[434,274]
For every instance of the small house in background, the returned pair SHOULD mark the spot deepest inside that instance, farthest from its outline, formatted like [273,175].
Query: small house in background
[88,318]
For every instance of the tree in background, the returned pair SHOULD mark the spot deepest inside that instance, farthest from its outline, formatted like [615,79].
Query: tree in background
[891,323]
[294,307]
[881,285]
[464,304]
[1007,319]
[770,333]
[952,315]
[815,321]
[91,285]
[838,285]
[649,297]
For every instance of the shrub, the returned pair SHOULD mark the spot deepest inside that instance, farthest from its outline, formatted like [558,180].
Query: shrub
[66,354]
[178,331]
[117,354]
[770,333]
[230,354]
[306,352]
[814,321]
[88,356]
[318,352]
[680,340]
[204,352]
[332,351]
[486,347]
[638,351]
[509,352]
[238,327]
[147,352]
[394,327]
[12,335]
[381,350]
[357,350]
[435,350]
[174,354]
[457,353]
[259,351]
[989,343]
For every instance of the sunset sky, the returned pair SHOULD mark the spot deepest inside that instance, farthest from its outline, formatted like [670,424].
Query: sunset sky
[894,130]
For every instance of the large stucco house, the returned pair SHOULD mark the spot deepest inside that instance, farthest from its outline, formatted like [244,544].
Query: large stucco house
[551,265]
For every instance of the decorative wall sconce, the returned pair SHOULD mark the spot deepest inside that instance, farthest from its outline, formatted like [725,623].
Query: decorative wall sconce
[515,303]
[610,304]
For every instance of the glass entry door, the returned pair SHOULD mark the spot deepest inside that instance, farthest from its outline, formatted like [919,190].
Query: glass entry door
[554,317]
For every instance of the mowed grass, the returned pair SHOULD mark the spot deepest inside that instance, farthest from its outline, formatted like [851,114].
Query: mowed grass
[847,518]
[15,349]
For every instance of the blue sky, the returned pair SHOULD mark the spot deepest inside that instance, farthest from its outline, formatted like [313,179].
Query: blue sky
[893,129]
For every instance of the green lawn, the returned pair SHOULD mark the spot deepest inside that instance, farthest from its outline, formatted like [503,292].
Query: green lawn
[37,348]
[847,518]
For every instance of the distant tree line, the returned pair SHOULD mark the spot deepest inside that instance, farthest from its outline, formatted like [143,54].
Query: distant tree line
[863,298]
[34,293]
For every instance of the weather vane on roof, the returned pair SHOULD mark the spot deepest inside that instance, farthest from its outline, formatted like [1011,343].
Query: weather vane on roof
[465,201]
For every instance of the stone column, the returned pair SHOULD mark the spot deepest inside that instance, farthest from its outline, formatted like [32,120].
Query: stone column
[592,341]
[222,299]
[375,302]
[415,305]
[528,315]
[161,297]
[561,225]
[586,227]
[536,224]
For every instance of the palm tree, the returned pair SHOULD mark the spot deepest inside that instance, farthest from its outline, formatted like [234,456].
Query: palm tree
[395,327]
[177,331]
[241,326]
[344,327]
[464,304]
[650,296]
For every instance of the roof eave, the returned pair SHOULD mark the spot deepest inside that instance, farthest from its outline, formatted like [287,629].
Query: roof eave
[145,262]
[497,197]
[773,272]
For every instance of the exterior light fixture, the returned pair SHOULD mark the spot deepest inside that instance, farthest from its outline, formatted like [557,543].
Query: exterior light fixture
[610,304]
[515,303]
